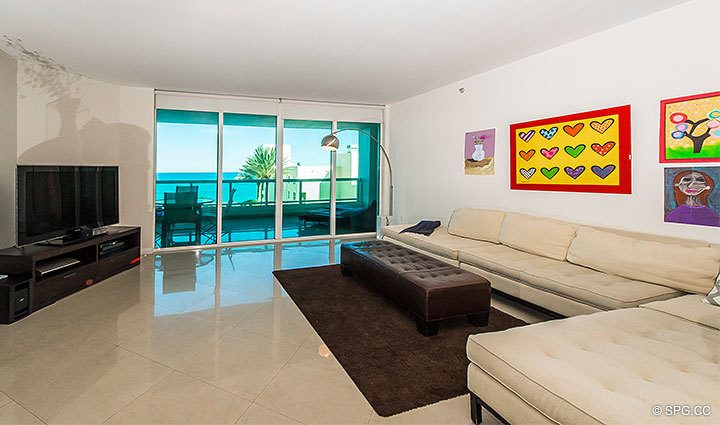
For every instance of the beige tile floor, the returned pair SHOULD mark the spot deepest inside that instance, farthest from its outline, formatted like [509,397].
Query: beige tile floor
[190,338]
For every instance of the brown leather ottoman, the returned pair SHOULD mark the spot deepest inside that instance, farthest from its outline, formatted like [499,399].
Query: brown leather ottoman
[428,288]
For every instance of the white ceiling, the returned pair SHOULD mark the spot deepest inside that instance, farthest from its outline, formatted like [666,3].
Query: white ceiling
[372,51]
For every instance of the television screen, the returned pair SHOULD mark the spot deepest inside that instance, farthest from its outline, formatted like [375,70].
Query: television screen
[98,196]
[53,201]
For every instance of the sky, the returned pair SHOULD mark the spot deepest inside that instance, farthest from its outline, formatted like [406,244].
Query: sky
[192,148]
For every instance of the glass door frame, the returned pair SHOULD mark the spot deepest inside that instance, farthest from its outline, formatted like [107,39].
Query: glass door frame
[279,143]
[218,195]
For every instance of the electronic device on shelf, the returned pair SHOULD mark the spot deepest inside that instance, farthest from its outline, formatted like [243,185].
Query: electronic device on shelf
[108,248]
[56,265]
[112,244]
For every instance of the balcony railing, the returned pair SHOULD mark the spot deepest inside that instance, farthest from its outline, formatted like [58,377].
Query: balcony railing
[261,192]
[249,214]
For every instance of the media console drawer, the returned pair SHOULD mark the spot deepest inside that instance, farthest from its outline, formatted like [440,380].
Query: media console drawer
[50,289]
[117,263]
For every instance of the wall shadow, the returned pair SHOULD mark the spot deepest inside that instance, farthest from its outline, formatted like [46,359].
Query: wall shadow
[84,139]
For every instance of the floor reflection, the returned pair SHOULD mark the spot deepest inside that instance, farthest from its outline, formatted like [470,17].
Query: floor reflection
[216,279]
[153,344]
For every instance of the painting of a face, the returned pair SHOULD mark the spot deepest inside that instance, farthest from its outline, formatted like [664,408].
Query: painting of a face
[693,184]
[692,195]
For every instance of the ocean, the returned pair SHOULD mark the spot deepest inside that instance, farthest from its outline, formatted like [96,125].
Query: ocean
[206,185]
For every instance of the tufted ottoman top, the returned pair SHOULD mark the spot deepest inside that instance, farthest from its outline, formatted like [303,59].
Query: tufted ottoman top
[430,288]
[395,257]
[444,278]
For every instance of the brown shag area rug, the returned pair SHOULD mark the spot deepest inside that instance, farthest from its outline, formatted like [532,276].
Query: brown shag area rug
[376,342]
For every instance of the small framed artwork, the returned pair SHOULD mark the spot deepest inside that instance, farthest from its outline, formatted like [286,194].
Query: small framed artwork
[692,195]
[480,152]
[583,152]
[690,128]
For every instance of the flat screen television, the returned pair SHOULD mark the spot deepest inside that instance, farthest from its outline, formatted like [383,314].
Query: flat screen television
[61,201]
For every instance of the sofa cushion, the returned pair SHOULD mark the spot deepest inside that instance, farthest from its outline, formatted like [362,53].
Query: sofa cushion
[612,366]
[689,307]
[506,402]
[549,238]
[440,242]
[483,225]
[652,237]
[689,269]
[601,290]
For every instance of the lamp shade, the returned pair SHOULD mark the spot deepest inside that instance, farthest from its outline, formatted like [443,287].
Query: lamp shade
[330,142]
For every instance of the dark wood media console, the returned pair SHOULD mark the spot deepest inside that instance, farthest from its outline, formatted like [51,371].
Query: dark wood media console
[42,274]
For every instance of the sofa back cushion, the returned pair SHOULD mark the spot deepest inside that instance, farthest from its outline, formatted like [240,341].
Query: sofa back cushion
[482,225]
[651,237]
[685,268]
[540,236]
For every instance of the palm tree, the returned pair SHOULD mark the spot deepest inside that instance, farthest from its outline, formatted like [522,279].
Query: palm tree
[259,166]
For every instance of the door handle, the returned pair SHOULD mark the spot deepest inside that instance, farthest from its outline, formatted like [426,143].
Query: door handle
[68,276]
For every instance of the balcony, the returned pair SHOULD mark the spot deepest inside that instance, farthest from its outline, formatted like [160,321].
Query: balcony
[248,210]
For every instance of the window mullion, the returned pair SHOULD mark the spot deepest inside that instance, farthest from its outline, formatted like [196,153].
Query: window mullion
[333,187]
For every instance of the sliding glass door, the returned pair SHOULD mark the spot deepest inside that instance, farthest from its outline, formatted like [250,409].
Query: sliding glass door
[220,178]
[248,165]
[186,176]
[358,162]
[306,179]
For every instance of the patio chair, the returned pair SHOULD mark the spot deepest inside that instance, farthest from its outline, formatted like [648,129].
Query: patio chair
[211,219]
[181,208]
[187,189]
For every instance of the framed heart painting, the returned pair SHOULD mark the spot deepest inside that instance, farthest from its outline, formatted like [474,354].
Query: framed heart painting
[583,152]
[690,128]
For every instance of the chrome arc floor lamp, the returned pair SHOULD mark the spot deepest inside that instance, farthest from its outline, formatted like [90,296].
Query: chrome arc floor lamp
[332,143]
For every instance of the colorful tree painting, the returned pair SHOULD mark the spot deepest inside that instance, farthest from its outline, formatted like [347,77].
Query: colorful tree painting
[690,128]
[685,127]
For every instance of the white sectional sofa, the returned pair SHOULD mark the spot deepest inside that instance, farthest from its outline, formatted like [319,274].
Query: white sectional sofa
[613,367]
[567,268]
[642,347]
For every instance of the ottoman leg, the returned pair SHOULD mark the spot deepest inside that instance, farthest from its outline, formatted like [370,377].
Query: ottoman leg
[476,406]
[475,409]
[480,319]
[345,271]
[427,328]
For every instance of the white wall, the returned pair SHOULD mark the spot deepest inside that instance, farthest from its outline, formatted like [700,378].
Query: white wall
[660,56]
[8,148]
[136,125]
[65,118]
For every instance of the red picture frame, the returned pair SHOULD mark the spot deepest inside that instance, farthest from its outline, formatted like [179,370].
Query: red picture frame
[663,148]
[624,145]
